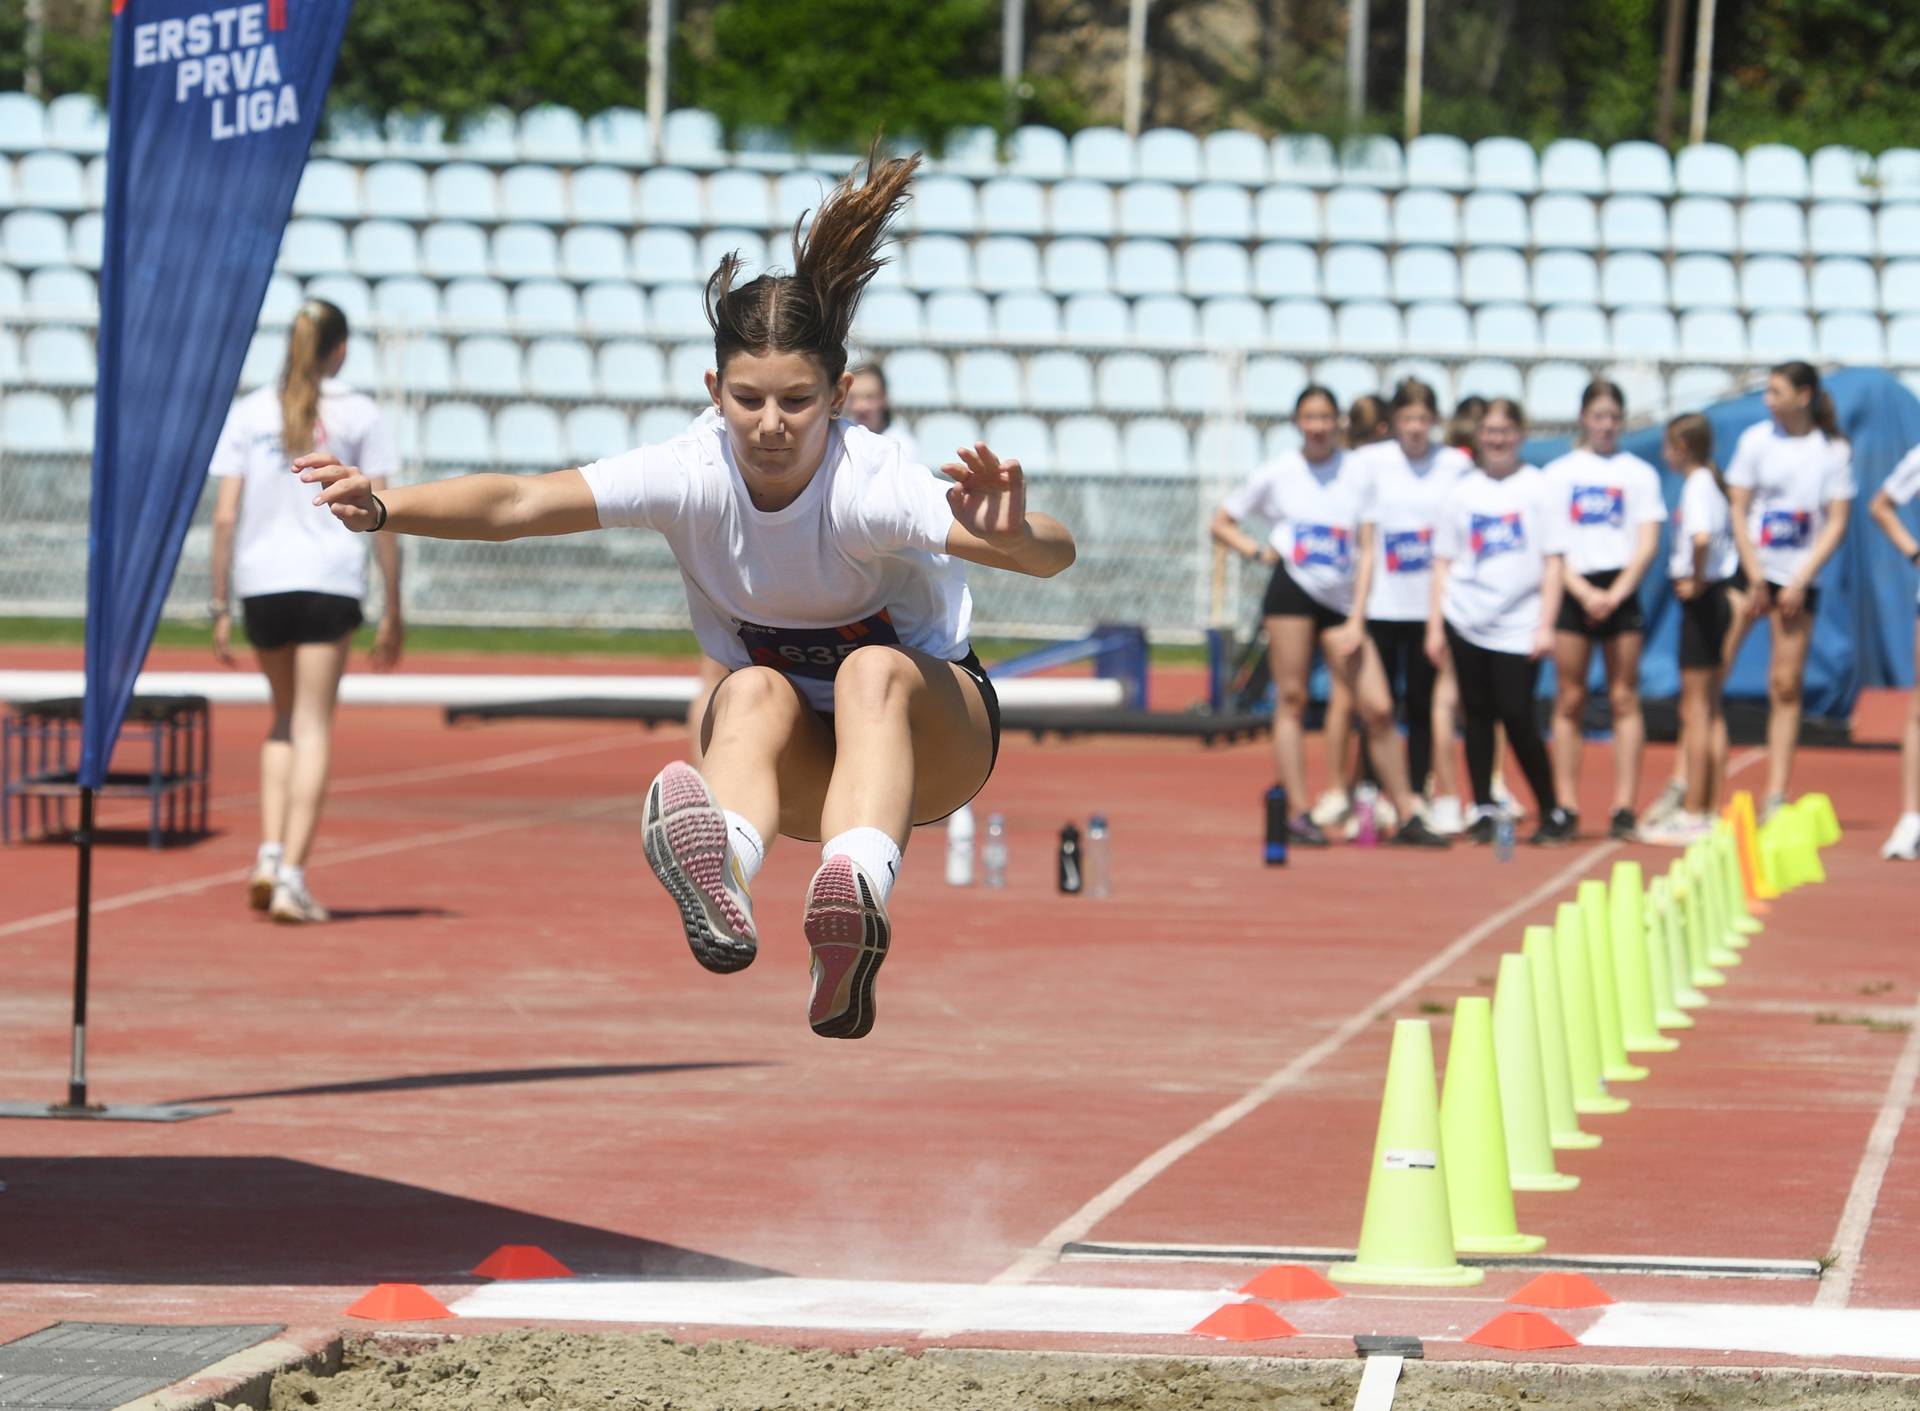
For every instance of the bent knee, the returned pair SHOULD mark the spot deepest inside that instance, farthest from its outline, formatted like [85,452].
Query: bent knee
[1784,690]
[875,679]
[753,690]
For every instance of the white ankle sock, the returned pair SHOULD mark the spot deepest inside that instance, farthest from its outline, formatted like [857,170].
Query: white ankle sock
[270,855]
[293,878]
[745,841]
[876,853]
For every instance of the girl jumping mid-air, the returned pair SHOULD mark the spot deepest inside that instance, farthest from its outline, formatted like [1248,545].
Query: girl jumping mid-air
[823,570]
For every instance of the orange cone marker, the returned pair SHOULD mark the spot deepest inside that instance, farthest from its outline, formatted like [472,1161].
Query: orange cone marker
[398,1303]
[1524,1332]
[1289,1283]
[1244,1322]
[1561,1291]
[521,1261]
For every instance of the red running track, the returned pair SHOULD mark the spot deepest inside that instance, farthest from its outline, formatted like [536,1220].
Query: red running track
[503,1040]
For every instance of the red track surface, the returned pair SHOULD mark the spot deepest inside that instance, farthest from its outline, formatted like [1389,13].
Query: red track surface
[503,1040]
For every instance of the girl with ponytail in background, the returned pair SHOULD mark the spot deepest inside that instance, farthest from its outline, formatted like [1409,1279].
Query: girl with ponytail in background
[823,569]
[300,579]
[1792,488]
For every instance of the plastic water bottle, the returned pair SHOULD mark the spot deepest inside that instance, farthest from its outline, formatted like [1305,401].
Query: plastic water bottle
[1099,858]
[960,847]
[1277,826]
[1071,874]
[993,854]
[1503,837]
[1366,832]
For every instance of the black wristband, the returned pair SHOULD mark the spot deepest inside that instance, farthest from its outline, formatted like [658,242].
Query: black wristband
[381,522]
[1914,558]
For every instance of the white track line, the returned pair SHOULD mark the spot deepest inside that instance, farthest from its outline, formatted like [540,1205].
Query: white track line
[1083,1221]
[1850,1239]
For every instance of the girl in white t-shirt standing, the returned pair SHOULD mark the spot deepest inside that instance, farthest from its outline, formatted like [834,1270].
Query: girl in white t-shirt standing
[821,568]
[1792,489]
[1322,561]
[1610,502]
[300,578]
[1408,479]
[1702,563]
[1900,488]
[1497,569]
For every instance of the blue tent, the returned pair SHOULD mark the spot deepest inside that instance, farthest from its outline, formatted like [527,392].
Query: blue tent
[1864,633]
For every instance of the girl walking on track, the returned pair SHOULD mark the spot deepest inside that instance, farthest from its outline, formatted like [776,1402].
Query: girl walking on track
[1702,563]
[300,578]
[1497,571]
[1322,562]
[1792,490]
[823,570]
[1611,502]
[1898,489]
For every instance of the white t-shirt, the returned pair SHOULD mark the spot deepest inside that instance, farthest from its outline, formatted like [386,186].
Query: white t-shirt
[1604,500]
[897,433]
[284,544]
[1793,479]
[1402,500]
[858,559]
[1314,508]
[1496,536]
[1904,483]
[1703,510]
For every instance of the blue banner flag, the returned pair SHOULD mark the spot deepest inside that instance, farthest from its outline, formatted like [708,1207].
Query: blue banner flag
[212,109]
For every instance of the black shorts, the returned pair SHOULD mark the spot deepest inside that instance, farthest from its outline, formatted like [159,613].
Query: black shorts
[1741,583]
[1628,617]
[1286,598]
[1704,623]
[296,619]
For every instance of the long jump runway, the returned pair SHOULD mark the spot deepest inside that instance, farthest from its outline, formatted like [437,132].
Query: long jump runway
[503,1041]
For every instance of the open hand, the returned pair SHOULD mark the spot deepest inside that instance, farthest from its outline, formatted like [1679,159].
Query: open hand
[345,492]
[990,496]
[223,639]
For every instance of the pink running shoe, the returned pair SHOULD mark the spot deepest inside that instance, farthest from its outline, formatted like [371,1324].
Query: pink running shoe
[847,931]
[686,841]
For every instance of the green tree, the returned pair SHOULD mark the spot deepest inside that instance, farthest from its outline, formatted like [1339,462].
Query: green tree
[829,73]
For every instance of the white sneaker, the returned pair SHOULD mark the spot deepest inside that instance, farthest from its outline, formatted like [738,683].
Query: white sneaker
[295,906]
[1331,809]
[1903,845]
[1679,829]
[685,834]
[260,885]
[1671,799]
[1444,816]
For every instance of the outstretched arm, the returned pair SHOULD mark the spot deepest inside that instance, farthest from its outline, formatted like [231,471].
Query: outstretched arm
[991,525]
[490,507]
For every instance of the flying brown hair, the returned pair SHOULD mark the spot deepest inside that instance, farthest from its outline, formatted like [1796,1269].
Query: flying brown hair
[317,333]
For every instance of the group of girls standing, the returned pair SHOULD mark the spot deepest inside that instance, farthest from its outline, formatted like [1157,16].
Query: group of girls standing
[1446,574]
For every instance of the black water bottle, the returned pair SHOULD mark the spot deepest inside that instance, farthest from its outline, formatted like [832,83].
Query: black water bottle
[1277,826]
[1070,876]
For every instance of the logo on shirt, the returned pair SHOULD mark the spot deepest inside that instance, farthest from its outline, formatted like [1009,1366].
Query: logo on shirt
[1599,504]
[1322,546]
[1409,550]
[1786,529]
[1495,534]
[814,652]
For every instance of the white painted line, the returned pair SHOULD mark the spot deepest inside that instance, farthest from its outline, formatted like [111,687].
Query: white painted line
[845,1304]
[1378,1382]
[1850,1238]
[1791,1330]
[1698,1266]
[1079,1224]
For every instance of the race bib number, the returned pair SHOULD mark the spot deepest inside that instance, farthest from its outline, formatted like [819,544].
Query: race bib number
[1599,504]
[814,652]
[1409,550]
[1786,529]
[1495,534]
[1322,546]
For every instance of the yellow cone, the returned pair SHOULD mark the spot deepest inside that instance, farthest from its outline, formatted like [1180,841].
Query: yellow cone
[1694,916]
[1714,871]
[1679,956]
[1590,1093]
[1713,911]
[1726,850]
[1806,833]
[1406,1234]
[1626,904]
[1615,1066]
[1666,1009]
[1523,1086]
[1766,886]
[1780,862]
[1826,829]
[1473,1139]
[1543,972]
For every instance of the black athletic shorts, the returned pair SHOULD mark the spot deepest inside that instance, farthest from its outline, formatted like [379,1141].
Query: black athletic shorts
[1704,622]
[1286,598]
[1628,617]
[295,619]
[1741,583]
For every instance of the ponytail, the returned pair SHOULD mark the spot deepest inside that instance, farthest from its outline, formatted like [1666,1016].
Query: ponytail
[1695,432]
[318,332]
[1804,377]
[811,310]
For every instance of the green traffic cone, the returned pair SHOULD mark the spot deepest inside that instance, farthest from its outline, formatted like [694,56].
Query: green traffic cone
[1726,847]
[1406,1234]
[1523,1086]
[1590,1093]
[1543,972]
[1666,1009]
[1633,982]
[1473,1139]
[1615,1066]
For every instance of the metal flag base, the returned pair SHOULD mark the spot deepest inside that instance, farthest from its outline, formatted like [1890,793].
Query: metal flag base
[114,1112]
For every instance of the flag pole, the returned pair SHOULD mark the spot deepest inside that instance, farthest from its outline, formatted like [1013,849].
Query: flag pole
[82,949]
